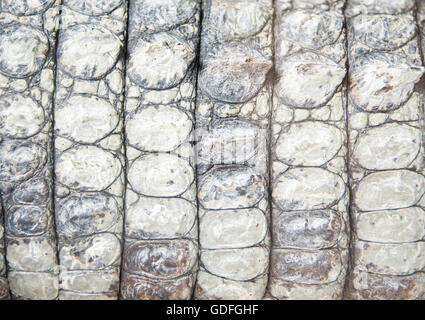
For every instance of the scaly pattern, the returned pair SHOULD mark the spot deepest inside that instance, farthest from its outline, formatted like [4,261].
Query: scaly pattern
[27,45]
[386,151]
[232,119]
[310,224]
[161,248]
[89,156]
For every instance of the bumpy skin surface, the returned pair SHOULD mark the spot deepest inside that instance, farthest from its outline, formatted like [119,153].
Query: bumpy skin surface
[89,161]
[27,46]
[232,117]
[385,114]
[309,176]
[160,251]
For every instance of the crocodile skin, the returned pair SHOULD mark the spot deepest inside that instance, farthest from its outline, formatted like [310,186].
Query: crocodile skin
[161,248]
[309,173]
[232,120]
[27,67]
[385,113]
[89,153]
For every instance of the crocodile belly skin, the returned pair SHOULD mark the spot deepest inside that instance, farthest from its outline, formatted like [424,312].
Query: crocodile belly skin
[212,150]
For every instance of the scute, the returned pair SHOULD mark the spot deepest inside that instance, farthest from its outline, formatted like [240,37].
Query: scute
[23,50]
[233,73]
